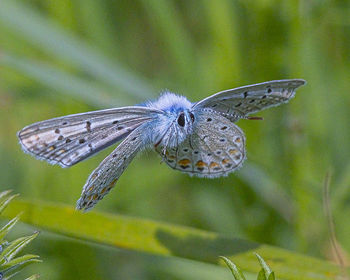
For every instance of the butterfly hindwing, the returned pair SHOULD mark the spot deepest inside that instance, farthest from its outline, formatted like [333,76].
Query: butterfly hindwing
[239,102]
[215,148]
[70,139]
[105,176]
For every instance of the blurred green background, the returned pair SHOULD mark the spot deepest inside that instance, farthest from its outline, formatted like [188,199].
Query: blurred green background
[64,57]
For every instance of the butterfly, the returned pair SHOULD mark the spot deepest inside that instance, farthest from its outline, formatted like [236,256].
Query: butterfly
[200,138]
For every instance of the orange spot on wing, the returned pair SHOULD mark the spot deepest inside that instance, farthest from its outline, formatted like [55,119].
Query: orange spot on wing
[95,196]
[213,164]
[201,163]
[184,162]
[113,182]
[233,151]
[238,140]
[224,161]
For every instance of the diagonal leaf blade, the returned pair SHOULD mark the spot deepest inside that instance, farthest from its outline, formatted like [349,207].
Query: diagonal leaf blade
[6,228]
[52,39]
[33,277]
[5,201]
[91,93]
[16,265]
[265,268]
[15,247]
[236,272]
[5,193]
[168,240]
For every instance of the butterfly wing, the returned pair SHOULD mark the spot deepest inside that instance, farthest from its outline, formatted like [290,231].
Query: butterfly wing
[240,102]
[104,177]
[70,139]
[215,148]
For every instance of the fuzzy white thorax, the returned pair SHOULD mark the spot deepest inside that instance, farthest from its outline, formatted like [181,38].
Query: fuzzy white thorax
[166,131]
[169,101]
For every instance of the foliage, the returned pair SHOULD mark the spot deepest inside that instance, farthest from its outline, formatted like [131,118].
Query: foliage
[10,263]
[168,240]
[264,274]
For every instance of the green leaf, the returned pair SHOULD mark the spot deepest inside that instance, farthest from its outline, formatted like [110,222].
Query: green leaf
[236,272]
[261,275]
[5,230]
[265,273]
[16,265]
[33,277]
[14,247]
[9,265]
[271,276]
[167,240]
[5,200]
[5,193]
[21,259]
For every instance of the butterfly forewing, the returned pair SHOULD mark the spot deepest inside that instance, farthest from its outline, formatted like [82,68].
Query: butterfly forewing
[70,139]
[239,102]
[215,148]
[105,176]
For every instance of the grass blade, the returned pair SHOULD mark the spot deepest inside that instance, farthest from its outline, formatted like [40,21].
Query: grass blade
[16,265]
[52,39]
[265,273]
[33,277]
[168,240]
[166,21]
[15,247]
[236,272]
[4,201]
[5,229]
[66,83]
[264,187]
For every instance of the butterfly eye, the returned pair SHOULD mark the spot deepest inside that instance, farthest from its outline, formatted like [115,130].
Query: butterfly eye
[181,120]
[192,117]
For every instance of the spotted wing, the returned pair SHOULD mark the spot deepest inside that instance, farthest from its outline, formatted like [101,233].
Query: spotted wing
[239,102]
[70,139]
[215,148]
[104,177]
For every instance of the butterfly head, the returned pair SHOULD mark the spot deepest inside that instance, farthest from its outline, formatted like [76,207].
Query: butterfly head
[177,122]
[185,120]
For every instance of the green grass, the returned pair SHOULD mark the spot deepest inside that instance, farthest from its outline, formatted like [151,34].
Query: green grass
[169,240]
[58,59]
[10,263]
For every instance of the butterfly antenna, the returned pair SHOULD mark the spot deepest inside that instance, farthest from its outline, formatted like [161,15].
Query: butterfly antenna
[255,118]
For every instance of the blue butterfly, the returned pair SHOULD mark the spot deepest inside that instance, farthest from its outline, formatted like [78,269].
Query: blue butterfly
[196,138]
